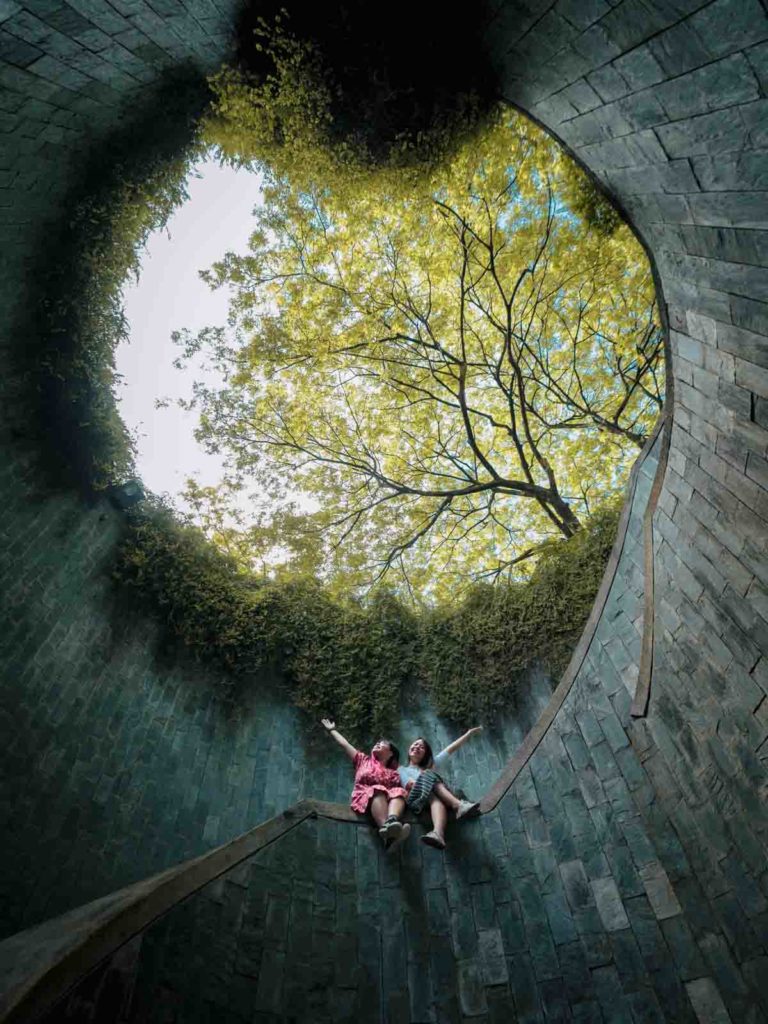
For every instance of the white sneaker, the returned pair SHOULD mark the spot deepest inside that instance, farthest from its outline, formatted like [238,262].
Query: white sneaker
[467,809]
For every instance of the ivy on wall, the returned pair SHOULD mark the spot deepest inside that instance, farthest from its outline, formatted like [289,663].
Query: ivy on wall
[383,84]
[300,103]
[354,661]
[472,658]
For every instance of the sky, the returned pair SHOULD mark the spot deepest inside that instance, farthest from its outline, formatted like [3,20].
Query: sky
[170,296]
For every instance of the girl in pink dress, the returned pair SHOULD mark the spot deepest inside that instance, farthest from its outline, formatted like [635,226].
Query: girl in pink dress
[377,786]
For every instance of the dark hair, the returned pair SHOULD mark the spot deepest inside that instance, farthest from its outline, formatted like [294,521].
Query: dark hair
[426,759]
[394,754]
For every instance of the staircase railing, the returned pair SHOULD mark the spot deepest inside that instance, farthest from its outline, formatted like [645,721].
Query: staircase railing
[40,965]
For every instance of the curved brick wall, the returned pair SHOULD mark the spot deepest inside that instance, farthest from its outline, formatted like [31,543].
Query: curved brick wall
[666,104]
[624,878]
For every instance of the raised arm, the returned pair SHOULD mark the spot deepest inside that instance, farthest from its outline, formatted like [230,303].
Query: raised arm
[453,747]
[330,728]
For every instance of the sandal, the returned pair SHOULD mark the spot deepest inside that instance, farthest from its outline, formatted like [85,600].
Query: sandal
[433,839]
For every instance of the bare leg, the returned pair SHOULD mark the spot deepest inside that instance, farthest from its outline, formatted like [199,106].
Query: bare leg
[441,791]
[397,806]
[439,813]
[378,808]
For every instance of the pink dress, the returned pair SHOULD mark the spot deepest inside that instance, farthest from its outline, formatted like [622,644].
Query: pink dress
[372,777]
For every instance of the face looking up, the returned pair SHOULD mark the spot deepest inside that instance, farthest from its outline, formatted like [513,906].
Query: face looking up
[416,751]
[382,751]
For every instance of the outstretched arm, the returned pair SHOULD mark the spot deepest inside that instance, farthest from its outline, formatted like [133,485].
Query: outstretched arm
[330,728]
[453,747]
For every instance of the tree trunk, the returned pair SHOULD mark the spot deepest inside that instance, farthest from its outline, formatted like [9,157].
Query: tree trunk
[570,521]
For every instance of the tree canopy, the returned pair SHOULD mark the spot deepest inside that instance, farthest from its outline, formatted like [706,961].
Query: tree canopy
[429,374]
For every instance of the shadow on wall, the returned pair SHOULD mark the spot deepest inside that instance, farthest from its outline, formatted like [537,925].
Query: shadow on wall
[65,395]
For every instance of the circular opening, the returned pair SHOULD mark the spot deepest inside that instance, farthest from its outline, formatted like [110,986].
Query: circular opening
[534,403]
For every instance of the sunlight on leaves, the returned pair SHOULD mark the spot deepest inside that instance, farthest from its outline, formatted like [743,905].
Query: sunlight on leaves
[430,371]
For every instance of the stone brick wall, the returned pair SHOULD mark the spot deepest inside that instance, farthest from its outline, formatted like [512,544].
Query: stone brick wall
[666,103]
[626,870]
[81,704]
[558,905]
[121,758]
[67,70]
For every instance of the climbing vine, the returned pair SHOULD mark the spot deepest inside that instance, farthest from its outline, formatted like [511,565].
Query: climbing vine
[315,78]
[296,116]
[354,661]
[473,658]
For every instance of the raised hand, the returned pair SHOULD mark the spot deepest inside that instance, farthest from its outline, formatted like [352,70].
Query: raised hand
[330,727]
[463,739]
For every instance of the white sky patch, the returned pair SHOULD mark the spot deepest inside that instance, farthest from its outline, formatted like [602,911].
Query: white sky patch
[169,296]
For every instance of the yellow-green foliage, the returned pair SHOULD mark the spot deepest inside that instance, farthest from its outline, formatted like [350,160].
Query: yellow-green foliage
[284,120]
[352,661]
[445,359]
